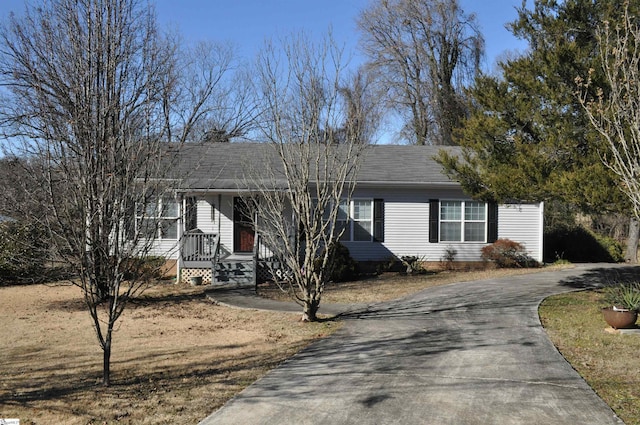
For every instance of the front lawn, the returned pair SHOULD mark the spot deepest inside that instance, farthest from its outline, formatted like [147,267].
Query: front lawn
[609,363]
[177,357]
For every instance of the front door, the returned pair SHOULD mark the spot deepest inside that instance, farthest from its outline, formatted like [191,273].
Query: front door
[243,233]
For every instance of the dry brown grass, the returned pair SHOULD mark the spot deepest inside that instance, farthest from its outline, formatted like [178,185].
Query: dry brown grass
[608,362]
[175,356]
[389,286]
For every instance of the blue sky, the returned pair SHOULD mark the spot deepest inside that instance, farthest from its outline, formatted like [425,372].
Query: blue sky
[247,23]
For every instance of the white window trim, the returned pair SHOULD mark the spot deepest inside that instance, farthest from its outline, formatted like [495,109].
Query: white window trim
[351,221]
[160,218]
[462,221]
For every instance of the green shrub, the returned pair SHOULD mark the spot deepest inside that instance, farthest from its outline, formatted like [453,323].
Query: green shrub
[506,253]
[342,266]
[23,252]
[580,245]
[612,246]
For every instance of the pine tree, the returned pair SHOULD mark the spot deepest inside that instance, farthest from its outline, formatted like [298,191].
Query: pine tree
[528,137]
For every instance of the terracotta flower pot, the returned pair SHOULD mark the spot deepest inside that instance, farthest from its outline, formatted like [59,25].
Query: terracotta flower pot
[620,319]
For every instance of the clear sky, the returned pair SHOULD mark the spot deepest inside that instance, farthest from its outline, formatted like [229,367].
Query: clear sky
[247,23]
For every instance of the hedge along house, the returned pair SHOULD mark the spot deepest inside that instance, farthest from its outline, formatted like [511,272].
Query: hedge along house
[403,205]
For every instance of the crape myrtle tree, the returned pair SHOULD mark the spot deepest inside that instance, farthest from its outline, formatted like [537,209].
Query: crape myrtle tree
[424,52]
[527,136]
[98,99]
[315,125]
[614,109]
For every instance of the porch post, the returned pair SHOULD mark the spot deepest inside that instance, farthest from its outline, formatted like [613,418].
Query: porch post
[256,249]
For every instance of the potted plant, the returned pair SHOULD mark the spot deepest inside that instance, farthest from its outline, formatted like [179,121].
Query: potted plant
[624,303]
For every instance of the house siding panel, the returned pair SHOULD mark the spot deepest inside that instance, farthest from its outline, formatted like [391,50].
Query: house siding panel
[167,248]
[226,223]
[407,227]
[510,226]
[207,215]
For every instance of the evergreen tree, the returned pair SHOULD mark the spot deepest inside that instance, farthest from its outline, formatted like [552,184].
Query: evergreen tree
[528,137]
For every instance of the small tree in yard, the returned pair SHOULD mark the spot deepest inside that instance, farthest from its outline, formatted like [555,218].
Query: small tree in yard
[301,191]
[92,94]
[615,112]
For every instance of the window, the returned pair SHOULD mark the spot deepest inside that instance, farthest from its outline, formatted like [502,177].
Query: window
[463,221]
[356,219]
[342,221]
[362,220]
[159,218]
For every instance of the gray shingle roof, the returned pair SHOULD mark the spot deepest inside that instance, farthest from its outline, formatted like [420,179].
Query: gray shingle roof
[224,165]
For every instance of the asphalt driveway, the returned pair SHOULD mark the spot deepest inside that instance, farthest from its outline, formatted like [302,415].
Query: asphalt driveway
[467,353]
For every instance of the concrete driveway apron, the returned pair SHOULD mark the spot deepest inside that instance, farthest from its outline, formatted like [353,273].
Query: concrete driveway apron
[467,353]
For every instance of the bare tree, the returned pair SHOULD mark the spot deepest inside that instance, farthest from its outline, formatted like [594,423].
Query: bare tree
[425,52]
[315,144]
[231,104]
[93,94]
[615,112]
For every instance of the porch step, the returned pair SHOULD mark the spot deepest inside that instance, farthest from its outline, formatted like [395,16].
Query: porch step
[234,271]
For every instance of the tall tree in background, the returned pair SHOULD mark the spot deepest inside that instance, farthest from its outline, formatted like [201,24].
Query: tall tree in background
[315,126]
[92,94]
[425,53]
[529,137]
[614,111]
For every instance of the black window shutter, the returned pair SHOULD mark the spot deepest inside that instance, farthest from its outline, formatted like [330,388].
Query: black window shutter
[492,222]
[378,220]
[434,220]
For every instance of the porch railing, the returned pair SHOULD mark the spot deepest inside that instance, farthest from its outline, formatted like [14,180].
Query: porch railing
[198,246]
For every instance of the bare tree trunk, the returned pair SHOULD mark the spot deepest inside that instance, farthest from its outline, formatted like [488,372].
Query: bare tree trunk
[631,256]
[310,310]
[106,363]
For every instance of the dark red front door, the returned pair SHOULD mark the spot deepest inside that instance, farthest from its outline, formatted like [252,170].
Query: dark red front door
[243,233]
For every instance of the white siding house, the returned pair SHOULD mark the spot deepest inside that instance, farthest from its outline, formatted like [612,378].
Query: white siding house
[403,205]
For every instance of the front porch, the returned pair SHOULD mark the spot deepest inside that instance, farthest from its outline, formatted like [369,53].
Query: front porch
[202,255]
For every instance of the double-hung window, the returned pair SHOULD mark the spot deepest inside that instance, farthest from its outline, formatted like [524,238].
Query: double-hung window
[356,218]
[463,221]
[360,220]
[158,219]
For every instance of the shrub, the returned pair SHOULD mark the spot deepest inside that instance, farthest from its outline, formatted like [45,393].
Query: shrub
[579,245]
[392,264]
[413,264]
[612,246]
[507,253]
[449,258]
[342,266]
[147,268]
[23,252]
